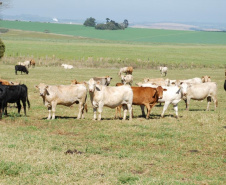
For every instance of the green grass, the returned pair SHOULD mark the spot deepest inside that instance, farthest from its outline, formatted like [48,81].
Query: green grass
[189,150]
[127,35]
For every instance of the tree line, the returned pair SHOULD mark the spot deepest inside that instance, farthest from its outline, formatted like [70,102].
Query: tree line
[109,25]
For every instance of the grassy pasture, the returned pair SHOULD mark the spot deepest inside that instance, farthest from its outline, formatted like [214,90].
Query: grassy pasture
[189,150]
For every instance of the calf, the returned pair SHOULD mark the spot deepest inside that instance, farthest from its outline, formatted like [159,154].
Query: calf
[21,68]
[13,94]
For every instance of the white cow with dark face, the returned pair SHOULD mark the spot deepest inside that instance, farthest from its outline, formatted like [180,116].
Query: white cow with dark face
[66,95]
[101,95]
[127,79]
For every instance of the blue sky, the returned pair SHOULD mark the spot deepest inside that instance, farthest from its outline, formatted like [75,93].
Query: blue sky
[118,10]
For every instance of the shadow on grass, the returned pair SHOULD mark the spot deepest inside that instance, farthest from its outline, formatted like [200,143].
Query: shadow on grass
[61,117]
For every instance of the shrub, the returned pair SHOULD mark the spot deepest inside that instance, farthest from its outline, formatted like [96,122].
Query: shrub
[2,48]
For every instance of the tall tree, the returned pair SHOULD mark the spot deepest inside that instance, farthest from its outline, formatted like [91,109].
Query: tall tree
[126,23]
[107,20]
[90,22]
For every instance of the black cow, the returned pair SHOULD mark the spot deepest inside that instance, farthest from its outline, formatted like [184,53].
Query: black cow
[13,94]
[21,68]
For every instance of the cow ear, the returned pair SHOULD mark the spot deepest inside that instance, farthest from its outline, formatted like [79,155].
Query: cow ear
[47,86]
[36,86]
[164,89]
[208,76]
[202,76]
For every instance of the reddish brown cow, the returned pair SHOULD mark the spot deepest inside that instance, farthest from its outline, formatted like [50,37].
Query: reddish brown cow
[144,96]
[4,82]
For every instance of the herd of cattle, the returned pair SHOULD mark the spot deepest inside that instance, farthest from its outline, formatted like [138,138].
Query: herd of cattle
[147,93]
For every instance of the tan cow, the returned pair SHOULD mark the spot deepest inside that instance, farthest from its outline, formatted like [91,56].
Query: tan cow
[200,92]
[32,62]
[126,70]
[66,95]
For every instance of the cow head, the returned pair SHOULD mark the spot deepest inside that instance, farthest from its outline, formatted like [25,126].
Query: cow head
[108,79]
[206,79]
[92,85]
[183,87]
[160,90]
[42,89]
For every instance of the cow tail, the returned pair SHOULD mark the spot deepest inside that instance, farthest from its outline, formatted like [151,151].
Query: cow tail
[28,102]
[86,108]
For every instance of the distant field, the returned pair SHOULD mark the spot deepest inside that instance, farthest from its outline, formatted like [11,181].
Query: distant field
[127,35]
[52,49]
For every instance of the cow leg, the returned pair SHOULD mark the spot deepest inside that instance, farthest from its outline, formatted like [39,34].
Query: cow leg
[81,110]
[94,113]
[49,109]
[24,105]
[164,108]
[130,108]
[100,109]
[53,109]
[215,102]
[116,112]
[175,107]
[18,106]
[125,107]
[142,110]
[148,110]
[187,101]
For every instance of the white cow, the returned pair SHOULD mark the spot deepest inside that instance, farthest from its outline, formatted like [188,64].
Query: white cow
[200,92]
[67,66]
[127,79]
[163,70]
[173,95]
[101,95]
[26,63]
[66,95]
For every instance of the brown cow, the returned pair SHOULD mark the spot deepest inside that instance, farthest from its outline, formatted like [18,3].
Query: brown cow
[4,82]
[75,82]
[144,96]
[32,62]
